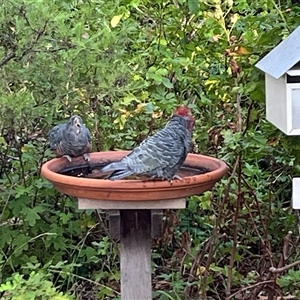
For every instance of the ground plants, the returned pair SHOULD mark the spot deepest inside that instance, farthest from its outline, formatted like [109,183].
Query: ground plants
[124,66]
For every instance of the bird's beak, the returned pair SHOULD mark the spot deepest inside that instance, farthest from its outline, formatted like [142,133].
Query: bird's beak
[77,124]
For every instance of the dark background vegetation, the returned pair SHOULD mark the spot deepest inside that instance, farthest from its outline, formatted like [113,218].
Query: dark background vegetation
[124,66]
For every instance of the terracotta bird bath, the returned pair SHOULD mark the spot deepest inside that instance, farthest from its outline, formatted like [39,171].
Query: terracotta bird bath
[134,205]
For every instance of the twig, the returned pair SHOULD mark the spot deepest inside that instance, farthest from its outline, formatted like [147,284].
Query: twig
[37,37]
[106,230]
[12,157]
[196,263]
[6,202]
[234,225]
[84,278]
[274,270]
[265,241]
[218,221]
[258,289]
[247,123]
[6,59]
[239,109]
[12,55]
[23,13]
[287,267]
[250,189]
[249,287]
[239,194]
[285,249]
[54,50]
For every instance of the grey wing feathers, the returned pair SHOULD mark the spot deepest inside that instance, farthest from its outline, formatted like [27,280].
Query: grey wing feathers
[156,152]
[159,151]
[146,157]
[55,135]
[88,133]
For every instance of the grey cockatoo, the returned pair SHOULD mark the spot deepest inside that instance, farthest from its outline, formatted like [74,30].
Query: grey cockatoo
[70,139]
[160,155]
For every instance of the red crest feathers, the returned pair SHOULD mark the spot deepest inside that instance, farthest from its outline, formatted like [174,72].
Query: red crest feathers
[183,111]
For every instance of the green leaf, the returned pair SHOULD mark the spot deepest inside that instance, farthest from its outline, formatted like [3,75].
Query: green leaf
[128,100]
[167,83]
[162,72]
[284,281]
[31,214]
[193,6]
[157,77]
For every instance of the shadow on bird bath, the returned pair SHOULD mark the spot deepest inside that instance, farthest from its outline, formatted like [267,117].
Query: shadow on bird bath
[83,179]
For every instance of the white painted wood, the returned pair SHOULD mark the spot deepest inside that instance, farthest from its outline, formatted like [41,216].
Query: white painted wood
[289,112]
[294,72]
[84,203]
[276,103]
[283,104]
[296,193]
[293,108]
[283,57]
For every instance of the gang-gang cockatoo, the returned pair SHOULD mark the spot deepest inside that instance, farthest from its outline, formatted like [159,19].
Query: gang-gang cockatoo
[160,155]
[70,139]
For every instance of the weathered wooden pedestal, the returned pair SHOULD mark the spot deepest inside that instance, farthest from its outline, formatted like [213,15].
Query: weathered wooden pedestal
[134,223]
[137,217]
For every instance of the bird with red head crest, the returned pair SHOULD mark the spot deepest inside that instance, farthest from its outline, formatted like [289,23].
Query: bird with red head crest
[160,155]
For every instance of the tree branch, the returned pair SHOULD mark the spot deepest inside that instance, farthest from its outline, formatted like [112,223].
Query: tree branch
[285,268]
[6,59]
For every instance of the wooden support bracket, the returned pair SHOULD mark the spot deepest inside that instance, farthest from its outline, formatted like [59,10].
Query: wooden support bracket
[114,224]
[156,223]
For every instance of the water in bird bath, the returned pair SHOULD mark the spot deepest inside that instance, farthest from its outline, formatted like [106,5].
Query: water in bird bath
[93,170]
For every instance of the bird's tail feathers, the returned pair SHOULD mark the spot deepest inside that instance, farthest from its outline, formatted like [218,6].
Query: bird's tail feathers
[120,174]
[114,167]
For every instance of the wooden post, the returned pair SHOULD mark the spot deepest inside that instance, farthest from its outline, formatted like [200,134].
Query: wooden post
[134,223]
[135,255]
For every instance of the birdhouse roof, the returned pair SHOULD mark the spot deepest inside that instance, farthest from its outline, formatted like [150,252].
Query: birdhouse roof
[283,57]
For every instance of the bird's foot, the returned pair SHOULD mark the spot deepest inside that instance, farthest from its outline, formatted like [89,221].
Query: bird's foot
[175,177]
[68,157]
[86,157]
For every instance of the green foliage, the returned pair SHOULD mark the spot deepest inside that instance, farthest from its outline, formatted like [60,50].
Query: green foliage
[290,282]
[124,65]
[36,287]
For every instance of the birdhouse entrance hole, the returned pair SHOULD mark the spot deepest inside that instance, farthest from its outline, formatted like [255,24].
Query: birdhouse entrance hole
[293,75]
[293,79]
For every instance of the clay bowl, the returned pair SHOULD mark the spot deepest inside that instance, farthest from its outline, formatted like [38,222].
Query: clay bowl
[199,174]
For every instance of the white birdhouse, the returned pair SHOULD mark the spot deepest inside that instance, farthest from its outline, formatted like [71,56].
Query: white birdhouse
[282,72]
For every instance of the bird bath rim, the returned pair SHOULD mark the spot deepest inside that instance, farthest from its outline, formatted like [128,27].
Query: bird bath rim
[132,190]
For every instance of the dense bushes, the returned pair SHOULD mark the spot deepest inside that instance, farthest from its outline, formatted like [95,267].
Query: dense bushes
[124,66]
